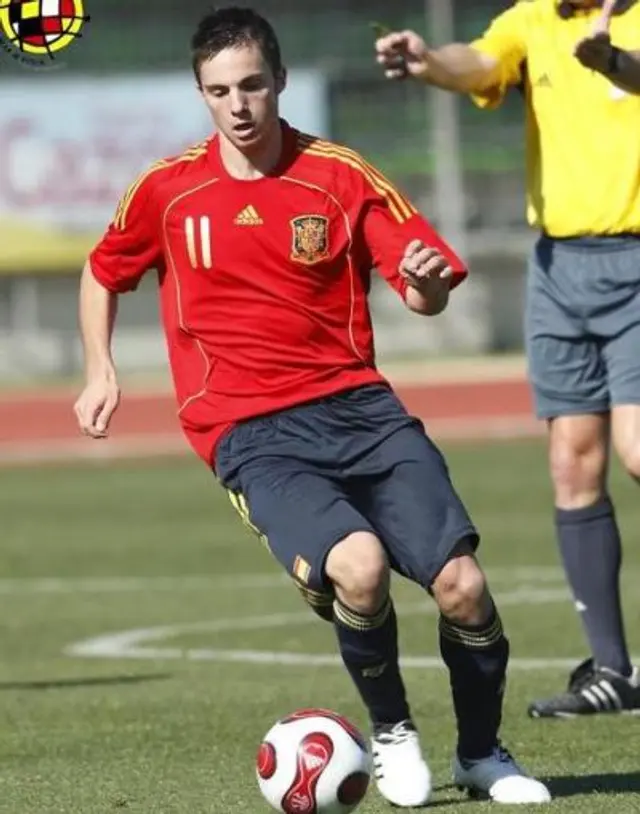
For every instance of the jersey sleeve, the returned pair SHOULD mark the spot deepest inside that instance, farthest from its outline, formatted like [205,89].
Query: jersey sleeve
[389,223]
[505,41]
[131,244]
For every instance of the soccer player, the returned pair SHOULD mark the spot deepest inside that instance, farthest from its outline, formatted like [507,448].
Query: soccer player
[263,239]
[583,291]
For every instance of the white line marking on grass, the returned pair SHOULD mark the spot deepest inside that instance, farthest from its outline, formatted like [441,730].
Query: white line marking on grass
[282,658]
[133,644]
[197,582]
[81,585]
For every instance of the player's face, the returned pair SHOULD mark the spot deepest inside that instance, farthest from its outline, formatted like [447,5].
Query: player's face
[241,93]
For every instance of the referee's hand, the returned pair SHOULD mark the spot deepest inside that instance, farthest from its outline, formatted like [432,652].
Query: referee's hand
[594,52]
[424,267]
[401,54]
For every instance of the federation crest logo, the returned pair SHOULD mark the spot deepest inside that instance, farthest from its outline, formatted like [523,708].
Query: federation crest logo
[36,30]
[310,239]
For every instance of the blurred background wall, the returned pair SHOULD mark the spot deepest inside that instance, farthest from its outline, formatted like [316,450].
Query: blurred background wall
[73,137]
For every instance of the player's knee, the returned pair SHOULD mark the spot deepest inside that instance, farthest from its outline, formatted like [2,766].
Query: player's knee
[461,591]
[578,469]
[359,571]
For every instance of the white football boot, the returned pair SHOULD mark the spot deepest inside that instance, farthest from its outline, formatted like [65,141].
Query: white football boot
[401,774]
[499,778]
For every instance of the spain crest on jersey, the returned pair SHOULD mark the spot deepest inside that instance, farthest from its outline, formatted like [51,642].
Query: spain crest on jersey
[310,239]
[41,27]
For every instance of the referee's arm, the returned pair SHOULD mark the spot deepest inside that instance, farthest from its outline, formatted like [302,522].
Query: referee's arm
[621,67]
[488,66]
[626,70]
[454,67]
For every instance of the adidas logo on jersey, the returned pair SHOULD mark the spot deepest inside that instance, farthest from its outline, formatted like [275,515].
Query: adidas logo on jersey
[248,217]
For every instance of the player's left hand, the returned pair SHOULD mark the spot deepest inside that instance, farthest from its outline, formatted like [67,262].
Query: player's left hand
[425,268]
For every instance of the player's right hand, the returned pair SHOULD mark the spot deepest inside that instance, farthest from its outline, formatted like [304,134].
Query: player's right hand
[401,53]
[96,405]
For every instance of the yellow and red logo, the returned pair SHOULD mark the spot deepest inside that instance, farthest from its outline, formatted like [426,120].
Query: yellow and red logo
[41,27]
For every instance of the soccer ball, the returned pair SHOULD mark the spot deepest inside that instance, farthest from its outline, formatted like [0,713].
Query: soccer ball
[313,762]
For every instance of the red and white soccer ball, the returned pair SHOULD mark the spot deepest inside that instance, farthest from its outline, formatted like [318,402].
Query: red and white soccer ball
[313,762]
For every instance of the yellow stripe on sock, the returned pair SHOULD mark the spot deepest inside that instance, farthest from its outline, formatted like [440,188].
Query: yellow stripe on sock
[474,639]
[315,598]
[358,621]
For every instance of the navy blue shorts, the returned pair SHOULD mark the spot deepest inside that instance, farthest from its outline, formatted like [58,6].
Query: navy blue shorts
[306,477]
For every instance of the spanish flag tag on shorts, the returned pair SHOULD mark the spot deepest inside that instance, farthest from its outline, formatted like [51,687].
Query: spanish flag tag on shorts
[301,569]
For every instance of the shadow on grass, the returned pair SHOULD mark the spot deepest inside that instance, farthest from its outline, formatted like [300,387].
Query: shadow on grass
[610,783]
[573,785]
[461,797]
[444,801]
[96,681]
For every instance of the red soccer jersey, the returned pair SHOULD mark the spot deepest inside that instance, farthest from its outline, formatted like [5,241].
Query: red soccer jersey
[263,284]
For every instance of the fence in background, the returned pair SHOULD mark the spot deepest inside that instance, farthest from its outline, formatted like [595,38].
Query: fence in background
[72,139]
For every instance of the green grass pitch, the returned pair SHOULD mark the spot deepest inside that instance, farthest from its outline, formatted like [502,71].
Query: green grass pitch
[94,550]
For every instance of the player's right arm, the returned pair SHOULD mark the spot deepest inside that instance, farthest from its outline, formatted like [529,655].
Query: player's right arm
[128,249]
[485,68]
[101,394]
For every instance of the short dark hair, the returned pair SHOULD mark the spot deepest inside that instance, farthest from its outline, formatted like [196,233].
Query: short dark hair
[232,27]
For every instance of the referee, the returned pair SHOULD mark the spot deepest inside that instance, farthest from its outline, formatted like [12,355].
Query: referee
[577,63]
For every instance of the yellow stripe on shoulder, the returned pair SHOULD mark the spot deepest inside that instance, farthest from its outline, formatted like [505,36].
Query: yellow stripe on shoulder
[399,206]
[119,220]
[200,147]
[372,173]
[190,154]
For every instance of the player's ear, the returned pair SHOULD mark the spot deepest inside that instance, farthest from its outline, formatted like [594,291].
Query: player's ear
[281,80]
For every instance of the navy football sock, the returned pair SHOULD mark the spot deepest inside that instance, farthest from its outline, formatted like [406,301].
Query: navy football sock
[477,660]
[592,555]
[369,650]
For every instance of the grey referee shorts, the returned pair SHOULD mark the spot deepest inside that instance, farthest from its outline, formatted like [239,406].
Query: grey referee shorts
[582,324]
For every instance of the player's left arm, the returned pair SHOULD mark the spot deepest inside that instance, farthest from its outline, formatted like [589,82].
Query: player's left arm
[405,249]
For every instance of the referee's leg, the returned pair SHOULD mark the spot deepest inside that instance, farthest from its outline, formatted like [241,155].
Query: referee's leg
[570,310]
[622,358]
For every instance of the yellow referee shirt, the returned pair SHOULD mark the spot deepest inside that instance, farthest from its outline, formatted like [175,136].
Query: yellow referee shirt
[582,132]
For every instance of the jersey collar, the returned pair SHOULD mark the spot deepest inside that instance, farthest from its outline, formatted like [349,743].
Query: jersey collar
[289,142]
